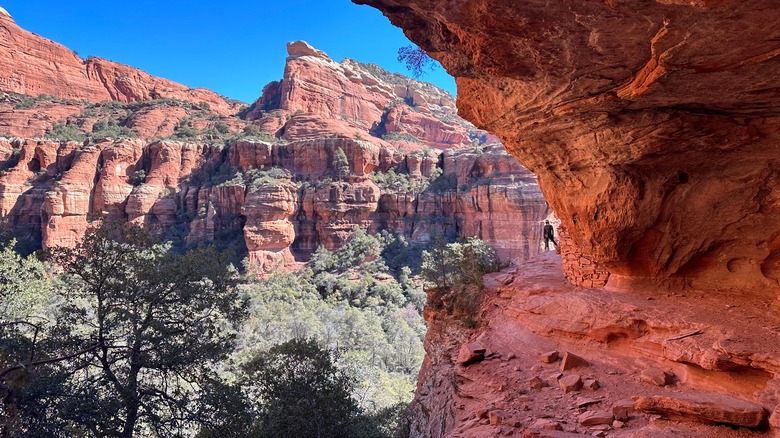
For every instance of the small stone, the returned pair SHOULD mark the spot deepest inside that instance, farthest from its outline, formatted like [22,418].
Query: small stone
[549,357]
[537,368]
[470,353]
[656,376]
[591,384]
[599,434]
[511,356]
[585,402]
[495,417]
[617,424]
[571,360]
[623,409]
[570,383]
[546,424]
[537,383]
[514,423]
[482,412]
[595,418]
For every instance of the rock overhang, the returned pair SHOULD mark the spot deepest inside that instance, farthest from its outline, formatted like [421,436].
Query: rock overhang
[652,126]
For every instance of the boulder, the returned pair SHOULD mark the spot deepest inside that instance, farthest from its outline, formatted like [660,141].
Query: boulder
[570,383]
[470,353]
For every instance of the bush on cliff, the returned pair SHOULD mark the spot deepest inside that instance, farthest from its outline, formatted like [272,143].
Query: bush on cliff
[454,272]
[65,132]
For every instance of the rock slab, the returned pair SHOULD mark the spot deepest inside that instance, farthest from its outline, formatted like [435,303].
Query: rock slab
[704,408]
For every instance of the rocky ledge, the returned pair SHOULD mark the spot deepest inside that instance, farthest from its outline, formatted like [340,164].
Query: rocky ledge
[551,360]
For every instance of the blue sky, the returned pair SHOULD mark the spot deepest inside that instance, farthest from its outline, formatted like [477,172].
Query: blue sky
[231,47]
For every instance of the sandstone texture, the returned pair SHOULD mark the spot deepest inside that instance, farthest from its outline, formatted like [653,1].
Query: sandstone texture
[725,371]
[712,408]
[652,125]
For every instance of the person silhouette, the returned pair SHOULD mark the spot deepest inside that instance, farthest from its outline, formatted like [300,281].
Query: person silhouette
[549,236]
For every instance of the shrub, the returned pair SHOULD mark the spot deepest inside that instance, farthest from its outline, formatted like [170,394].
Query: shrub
[109,128]
[185,131]
[139,177]
[455,271]
[65,132]
[401,136]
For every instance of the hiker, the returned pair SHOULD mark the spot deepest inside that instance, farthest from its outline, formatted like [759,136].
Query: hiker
[549,236]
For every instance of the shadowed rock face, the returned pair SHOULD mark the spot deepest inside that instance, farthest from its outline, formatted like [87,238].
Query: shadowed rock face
[653,126]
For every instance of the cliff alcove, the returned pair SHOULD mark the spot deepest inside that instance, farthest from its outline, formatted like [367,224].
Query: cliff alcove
[653,126]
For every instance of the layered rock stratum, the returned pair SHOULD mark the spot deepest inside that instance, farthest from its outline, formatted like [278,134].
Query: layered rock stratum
[94,139]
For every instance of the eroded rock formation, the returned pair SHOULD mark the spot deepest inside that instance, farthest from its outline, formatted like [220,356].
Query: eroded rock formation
[282,200]
[41,66]
[653,126]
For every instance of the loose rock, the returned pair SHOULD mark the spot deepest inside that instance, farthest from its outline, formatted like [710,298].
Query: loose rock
[537,383]
[595,418]
[470,353]
[703,408]
[495,417]
[571,360]
[656,376]
[549,357]
[546,424]
[570,383]
[591,384]
[623,409]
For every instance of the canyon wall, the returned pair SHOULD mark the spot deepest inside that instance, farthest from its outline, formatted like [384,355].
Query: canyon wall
[36,65]
[86,139]
[653,126]
[281,200]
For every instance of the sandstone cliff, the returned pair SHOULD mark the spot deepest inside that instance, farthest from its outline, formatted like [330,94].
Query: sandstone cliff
[358,100]
[281,200]
[652,125]
[653,128]
[262,180]
[35,66]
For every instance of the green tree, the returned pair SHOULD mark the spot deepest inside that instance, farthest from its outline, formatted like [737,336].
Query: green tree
[302,392]
[340,164]
[160,322]
[439,264]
